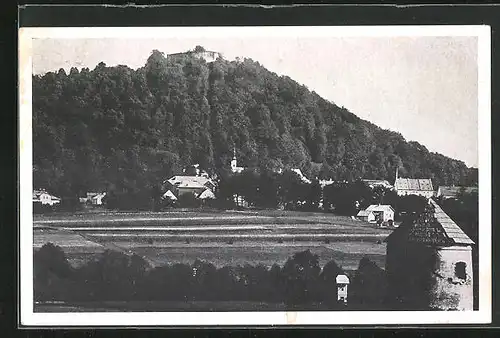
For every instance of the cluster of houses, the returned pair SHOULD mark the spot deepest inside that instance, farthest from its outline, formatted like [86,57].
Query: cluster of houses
[202,187]
[42,197]
[384,214]
[451,278]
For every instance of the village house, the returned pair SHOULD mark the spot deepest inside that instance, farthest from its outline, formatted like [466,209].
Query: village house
[383,212]
[366,216]
[44,198]
[429,263]
[377,212]
[184,184]
[94,198]
[207,55]
[378,183]
[447,192]
[413,186]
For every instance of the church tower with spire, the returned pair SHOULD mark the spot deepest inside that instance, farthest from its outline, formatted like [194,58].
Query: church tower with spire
[234,163]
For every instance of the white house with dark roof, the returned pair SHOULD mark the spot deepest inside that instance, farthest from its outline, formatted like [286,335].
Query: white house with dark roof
[413,186]
[432,251]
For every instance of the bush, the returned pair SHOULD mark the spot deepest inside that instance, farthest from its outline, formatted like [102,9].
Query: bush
[51,270]
[117,276]
[369,284]
[113,276]
[327,288]
[300,276]
[51,258]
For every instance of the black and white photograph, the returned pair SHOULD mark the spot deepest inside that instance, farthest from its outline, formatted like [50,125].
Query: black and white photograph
[255,175]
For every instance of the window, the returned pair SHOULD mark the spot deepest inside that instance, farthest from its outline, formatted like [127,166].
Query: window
[460,270]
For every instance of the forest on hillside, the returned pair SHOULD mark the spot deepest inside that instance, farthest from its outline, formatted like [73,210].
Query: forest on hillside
[125,130]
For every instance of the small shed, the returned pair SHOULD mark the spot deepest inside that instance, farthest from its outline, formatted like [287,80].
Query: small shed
[342,283]
[367,216]
[385,211]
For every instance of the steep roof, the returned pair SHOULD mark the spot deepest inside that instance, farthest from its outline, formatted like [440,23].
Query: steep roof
[434,227]
[301,176]
[342,279]
[421,184]
[190,181]
[99,195]
[170,195]
[206,194]
[38,193]
[380,207]
[364,213]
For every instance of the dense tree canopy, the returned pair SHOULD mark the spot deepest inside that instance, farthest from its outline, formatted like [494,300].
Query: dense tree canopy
[125,130]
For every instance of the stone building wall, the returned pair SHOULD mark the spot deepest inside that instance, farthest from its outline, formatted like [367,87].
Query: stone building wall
[453,284]
[423,276]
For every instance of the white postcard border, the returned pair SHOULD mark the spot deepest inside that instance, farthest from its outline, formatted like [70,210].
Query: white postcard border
[29,318]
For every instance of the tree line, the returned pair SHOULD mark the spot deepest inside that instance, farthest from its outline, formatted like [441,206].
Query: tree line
[122,130]
[115,276]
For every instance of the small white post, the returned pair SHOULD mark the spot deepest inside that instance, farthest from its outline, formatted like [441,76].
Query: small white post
[342,283]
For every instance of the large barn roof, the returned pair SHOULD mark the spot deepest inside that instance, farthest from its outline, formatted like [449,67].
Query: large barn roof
[434,227]
[421,184]
[185,181]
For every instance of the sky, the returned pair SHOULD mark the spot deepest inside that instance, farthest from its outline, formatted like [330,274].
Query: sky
[424,87]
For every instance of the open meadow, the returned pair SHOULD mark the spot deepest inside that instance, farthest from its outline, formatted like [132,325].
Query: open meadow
[221,238]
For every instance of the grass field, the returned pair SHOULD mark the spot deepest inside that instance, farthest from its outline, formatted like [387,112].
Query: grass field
[222,238]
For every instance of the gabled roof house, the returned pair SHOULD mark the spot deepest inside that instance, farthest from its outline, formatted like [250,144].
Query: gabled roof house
[429,263]
[413,186]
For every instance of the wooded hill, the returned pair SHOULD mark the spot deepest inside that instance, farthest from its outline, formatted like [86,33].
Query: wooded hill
[115,128]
